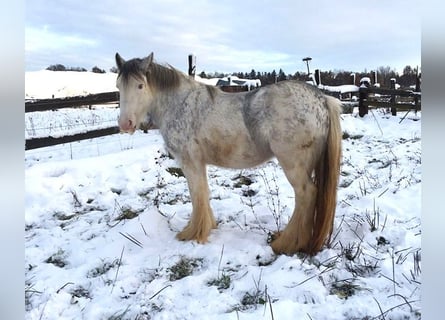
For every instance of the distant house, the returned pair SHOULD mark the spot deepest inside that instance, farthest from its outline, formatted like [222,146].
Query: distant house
[235,81]
[231,83]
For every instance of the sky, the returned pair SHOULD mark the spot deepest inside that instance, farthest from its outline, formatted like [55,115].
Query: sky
[225,36]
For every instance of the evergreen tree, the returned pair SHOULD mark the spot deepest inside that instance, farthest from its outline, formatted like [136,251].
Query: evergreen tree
[56,67]
[96,69]
[252,74]
[281,75]
[408,78]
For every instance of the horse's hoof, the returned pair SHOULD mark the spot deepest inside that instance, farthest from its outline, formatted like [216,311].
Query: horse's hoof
[188,234]
[281,245]
[271,237]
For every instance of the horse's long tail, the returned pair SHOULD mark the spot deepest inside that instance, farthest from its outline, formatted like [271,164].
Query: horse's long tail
[326,178]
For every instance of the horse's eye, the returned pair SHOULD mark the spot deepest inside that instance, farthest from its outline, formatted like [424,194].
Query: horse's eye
[140,86]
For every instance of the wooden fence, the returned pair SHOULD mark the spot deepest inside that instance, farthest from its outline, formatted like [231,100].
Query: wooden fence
[70,102]
[369,97]
[373,97]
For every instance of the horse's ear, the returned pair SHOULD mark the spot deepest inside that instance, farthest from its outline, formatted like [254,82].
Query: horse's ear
[147,62]
[119,61]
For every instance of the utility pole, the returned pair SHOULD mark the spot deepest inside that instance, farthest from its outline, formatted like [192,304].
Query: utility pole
[307,59]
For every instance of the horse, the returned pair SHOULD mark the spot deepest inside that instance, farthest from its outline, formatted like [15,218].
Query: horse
[202,125]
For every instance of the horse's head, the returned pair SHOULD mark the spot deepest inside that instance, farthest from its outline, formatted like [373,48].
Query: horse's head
[134,91]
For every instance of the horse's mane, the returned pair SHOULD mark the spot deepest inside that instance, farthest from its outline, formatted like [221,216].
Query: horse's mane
[161,77]
[158,76]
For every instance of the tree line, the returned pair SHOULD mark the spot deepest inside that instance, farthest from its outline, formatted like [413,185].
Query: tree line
[330,78]
[61,67]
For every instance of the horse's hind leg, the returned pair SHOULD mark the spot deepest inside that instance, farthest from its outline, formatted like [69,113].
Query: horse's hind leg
[202,219]
[296,237]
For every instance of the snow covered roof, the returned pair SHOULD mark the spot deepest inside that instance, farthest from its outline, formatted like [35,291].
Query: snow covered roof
[230,81]
[365,79]
[342,89]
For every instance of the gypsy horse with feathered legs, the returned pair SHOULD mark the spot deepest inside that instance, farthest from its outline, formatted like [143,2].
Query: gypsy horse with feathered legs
[201,125]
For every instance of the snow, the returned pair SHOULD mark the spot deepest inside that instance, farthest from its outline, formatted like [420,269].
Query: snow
[365,79]
[46,84]
[84,202]
[342,89]
[208,81]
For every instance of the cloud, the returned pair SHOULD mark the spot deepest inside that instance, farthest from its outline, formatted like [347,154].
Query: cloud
[44,47]
[39,39]
[227,36]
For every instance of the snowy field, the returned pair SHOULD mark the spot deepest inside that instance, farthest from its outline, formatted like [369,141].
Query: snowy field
[101,218]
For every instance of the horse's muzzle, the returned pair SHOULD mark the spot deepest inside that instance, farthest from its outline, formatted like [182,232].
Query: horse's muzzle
[127,125]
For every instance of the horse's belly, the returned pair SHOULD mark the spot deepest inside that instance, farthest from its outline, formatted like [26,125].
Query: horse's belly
[236,152]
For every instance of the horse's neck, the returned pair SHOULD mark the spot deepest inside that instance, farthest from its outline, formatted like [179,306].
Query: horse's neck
[167,100]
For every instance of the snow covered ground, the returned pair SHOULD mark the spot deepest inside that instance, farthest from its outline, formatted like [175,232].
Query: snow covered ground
[101,218]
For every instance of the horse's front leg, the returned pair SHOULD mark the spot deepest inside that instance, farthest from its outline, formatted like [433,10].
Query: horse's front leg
[202,219]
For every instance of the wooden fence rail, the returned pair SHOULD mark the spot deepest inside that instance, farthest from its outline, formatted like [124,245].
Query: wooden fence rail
[35,143]
[71,102]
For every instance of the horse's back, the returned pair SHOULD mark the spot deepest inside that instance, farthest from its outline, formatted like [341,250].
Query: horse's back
[289,111]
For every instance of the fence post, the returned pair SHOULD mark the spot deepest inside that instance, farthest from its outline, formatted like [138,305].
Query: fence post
[192,65]
[363,101]
[393,97]
[352,78]
[317,77]
[373,77]
[416,97]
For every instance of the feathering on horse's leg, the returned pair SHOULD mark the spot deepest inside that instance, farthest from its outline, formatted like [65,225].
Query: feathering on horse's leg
[297,235]
[202,219]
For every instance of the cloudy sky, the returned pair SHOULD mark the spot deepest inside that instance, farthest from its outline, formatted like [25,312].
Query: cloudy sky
[225,35]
